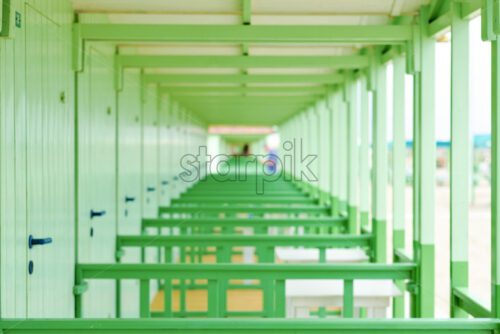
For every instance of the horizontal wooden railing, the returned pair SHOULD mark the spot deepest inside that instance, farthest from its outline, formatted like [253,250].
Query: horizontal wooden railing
[197,200]
[252,326]
[268,193]
[217,209]
[256,222]
[219,274]
[312,241]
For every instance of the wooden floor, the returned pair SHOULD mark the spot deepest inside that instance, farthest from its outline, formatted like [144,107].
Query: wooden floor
[237,300]
[196,300]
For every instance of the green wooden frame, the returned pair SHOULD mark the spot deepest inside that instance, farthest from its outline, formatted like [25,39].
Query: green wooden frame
[254,326]
[219,274]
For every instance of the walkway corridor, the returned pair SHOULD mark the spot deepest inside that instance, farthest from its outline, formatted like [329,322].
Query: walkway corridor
[224,166]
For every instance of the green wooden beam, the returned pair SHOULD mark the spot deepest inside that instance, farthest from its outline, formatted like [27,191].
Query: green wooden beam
[242,193]
[495,178]
[459,154]
[257,101]
[262,99]
[238,222]
[364,166]
[443,21]
[242,209]
[369,34]
[245,271]
[398,170]
[303,90]
[333,103]
[352,155]
[333,78]
[246,199]
[469,303]
[252,326]
[379,158]
[341,240]
[399,152]
[246,12]
[426,143]
[217,61]
[343,156]
[437,7]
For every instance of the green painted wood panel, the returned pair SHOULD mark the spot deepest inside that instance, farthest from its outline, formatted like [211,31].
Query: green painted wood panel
[459,154]
[12,184]
[37,161]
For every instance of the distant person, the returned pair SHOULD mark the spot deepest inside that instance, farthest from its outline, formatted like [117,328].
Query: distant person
[246,150]
[271,160]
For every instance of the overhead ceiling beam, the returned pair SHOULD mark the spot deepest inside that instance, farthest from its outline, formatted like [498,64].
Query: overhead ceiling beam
[212,107]
[234,89]
[369,34]
[161,61]
[236,100]
[251,98]
[443,21]
[244,79]
[246,11]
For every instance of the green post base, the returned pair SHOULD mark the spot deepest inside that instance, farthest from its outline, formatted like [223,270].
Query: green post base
[459,278]
[426,282]
[398,309]
[353,219]
[335,206]
[364,219]
[379,229]
[495,300]
[342,205]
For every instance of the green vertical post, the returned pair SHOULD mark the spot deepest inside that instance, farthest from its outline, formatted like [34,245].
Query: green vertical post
[78,296]
[364,168]
[280,298]
[118,305]
[268,284]
[334,111]
[495,165]
[167,287]
[459,152]
[306,146]
[223,256]
[320,146]
[427,170]
[398,169]
[379,223]
[324,157]
[182,281]
[416,180]
[322,254]
[118,287]
[314,145]
[348,302]
[353,156]
[213,307]
[144,311]
[343,156]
